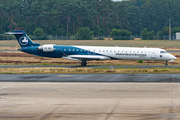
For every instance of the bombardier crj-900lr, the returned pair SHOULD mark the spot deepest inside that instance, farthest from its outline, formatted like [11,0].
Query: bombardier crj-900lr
[88,53]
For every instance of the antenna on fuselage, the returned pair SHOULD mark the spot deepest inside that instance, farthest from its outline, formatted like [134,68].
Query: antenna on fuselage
[144,46]
[116,46]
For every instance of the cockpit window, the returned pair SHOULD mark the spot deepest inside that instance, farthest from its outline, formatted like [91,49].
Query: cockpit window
[163,51]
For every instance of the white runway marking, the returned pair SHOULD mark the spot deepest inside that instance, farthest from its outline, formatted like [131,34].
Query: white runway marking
[114,77]
[147,77]
[82,77]
[7,86]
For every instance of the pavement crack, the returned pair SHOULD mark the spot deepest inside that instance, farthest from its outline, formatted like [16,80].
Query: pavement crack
[119,102]
[44,117]
[172,103]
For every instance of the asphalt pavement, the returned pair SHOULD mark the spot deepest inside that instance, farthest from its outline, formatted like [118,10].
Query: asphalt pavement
[89,101]
[165,78]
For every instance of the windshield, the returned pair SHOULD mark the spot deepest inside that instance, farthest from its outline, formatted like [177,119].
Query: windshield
[163,51]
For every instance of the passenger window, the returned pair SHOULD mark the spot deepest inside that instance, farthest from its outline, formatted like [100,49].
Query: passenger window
[69,49]
[114,51]
[99,50]
[106,50]
[103,50]
[64,49]
[73,49]
[81,50]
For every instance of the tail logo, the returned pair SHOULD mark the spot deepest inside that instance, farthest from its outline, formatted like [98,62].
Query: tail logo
[23,40]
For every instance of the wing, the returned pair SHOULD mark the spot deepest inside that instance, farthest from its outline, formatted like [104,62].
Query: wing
[86,57]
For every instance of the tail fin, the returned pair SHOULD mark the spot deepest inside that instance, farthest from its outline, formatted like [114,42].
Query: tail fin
[22,38]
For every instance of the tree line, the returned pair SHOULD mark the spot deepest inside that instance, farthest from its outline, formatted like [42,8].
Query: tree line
[66,17]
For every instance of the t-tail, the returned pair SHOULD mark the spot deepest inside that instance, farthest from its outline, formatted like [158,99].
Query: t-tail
[22,38]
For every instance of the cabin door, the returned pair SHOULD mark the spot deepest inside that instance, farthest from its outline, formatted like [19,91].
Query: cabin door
[153,54]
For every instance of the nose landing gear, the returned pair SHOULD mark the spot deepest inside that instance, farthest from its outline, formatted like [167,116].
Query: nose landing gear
[166,63]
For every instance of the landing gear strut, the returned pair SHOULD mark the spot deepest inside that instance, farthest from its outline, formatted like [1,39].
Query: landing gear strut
[84,63]
[166,64]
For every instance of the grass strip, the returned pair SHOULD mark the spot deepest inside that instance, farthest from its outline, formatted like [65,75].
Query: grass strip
[58,70]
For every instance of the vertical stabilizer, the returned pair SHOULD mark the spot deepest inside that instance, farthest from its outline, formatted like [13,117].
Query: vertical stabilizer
[22,38]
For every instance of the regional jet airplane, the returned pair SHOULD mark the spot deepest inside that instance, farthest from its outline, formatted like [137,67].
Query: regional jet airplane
[88,53]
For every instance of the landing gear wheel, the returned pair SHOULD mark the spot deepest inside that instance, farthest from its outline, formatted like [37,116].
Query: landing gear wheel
[166,64]
[83,63]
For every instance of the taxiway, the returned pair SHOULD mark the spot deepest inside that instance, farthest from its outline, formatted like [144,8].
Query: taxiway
[92,101]
[166,78]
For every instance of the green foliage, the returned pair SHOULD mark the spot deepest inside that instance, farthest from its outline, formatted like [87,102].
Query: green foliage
[165,31]
[66,17]
[73,37]
[84,33]
[38,32]
[97,30]
[175,29]
[43,37]
[140,61]
[147,35]
[119,34]
[100,38]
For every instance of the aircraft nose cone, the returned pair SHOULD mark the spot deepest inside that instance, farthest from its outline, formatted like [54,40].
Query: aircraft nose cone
[173,57]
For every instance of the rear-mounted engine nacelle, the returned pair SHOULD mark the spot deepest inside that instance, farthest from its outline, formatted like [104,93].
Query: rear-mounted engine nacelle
[46,48]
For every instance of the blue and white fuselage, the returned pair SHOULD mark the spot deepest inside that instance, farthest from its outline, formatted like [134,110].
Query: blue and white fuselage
[88,53]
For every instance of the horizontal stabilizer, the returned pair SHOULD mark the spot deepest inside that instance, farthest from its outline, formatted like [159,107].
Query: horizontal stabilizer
[15,33]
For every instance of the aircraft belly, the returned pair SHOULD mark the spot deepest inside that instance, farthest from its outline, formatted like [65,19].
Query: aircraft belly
[130,57]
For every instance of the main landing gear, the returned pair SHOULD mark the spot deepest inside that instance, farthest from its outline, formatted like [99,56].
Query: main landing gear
[166,63]
[84,63]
